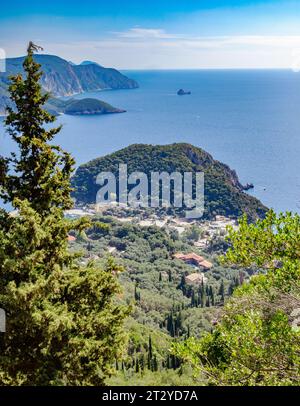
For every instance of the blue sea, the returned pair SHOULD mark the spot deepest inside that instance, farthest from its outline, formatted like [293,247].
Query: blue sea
[248,119]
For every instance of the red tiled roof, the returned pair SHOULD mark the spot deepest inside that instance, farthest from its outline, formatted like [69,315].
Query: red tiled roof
[71,238]
[206,264]
[194,257]
[194,277]
[187,257]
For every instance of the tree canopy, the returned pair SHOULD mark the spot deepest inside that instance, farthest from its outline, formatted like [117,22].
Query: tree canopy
[256,340]
[64,322]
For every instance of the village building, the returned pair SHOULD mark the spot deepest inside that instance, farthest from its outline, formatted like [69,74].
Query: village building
[206,265]
[195,279]
[111,249]
[79,212]
[202,243]
[194,259]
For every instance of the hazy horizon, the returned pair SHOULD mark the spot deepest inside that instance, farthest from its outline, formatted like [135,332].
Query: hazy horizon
[216,34]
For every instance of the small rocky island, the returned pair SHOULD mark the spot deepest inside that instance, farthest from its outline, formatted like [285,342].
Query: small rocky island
[90,106]
[82,107]
[248,186]
[182,92]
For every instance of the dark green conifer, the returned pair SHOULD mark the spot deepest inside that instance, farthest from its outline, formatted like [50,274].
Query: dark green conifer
[63,324]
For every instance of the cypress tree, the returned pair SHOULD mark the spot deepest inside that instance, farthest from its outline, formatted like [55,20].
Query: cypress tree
[137,366]
[182,284]
[231,288]
[236,281]
[142,362]
[212,296]
[203,296]
[222,291]
[63,325]
[193,302]
[136,293]
[42,171]
[155,364]
[168,362]
[150,347]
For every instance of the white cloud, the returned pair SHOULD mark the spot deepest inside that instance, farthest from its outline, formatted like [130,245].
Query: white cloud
[208,41]
[144,33]
[159,37]
[146,48]
[285,41]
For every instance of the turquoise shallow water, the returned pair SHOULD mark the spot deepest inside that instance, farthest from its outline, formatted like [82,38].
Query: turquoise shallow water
[247,119]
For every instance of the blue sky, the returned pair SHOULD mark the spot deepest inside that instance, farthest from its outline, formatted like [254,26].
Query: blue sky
[164,34]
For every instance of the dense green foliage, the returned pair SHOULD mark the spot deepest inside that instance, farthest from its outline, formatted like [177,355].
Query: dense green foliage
[166,308]
[223,192]
[257,339]
[65,310]
[64,325]
[89,106]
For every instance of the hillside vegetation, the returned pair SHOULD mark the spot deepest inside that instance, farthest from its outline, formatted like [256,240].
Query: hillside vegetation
[165,308]
[86,106]
[224,194]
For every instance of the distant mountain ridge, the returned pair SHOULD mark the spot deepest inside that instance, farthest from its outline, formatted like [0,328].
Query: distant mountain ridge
[62,78]
[224,194]
[89,63]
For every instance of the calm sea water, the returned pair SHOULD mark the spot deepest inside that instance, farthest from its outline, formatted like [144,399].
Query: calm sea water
[247,119]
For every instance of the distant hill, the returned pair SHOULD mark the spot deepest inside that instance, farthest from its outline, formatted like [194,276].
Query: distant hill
[224,194]
[87,107]
[90,63]
[62,78]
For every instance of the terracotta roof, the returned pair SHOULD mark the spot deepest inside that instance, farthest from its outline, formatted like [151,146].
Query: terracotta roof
[194,277]
[206,264]
[187,257]
[71,238]
[200,261]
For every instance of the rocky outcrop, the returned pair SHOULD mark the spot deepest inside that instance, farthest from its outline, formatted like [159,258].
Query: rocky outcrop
[182,92]
[90,107]
[223,194]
